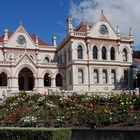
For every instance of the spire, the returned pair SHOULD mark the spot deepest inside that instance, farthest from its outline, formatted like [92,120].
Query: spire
[87,30]
[102,12]
[118,31]
[102,17]
[21,23]
[130,32]
[69,25]
[54,41]
[5,36]
[36,40]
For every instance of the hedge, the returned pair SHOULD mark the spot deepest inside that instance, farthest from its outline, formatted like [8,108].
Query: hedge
[15,133]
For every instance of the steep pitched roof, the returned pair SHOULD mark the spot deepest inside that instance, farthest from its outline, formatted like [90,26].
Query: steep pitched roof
[40,42]
[82,27]
[1,38]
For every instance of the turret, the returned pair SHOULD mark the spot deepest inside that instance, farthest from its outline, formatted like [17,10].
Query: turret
[118,32]
[69,25]
[5,36]
[36,41]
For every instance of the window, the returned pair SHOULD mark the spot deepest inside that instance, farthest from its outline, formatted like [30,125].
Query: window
[124,55]
[21,40]
[125,76]
[95,52]
[59,80]
[104,53]
[113,76]
[103,30]
[47,80]
[80,76]
[3,79]
[96,76]
[47,59]
[104,76]
[80,52]
[112,53]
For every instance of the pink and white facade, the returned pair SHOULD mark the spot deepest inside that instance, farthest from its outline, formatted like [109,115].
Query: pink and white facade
[92,57]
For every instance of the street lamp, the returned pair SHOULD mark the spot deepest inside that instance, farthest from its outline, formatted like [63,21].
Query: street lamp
[136,78]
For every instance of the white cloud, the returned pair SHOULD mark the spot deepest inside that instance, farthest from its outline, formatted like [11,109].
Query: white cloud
[125,13]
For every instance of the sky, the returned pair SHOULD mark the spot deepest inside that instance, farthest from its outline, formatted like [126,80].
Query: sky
[46,18]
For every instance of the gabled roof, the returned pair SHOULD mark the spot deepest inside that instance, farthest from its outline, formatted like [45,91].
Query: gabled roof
[136,60]
[40,42]
[82,27]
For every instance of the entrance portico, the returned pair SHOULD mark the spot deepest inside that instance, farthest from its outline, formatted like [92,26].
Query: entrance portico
[25,80]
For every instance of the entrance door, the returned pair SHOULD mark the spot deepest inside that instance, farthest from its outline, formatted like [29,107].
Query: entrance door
[25,80]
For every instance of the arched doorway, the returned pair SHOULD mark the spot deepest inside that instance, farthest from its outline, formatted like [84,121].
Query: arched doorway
[3,79]
[59,80]
[47,80]
[25,79]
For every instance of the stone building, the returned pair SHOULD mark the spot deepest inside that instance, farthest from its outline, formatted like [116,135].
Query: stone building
[91,57]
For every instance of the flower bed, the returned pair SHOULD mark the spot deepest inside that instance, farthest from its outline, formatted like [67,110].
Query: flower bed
[70,110]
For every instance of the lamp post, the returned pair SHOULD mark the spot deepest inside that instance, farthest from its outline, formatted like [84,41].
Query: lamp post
[136,78]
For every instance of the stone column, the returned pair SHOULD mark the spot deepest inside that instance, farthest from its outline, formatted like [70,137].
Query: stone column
[99,54]
[100,76]
[109,76]
[108,55]
[53,83]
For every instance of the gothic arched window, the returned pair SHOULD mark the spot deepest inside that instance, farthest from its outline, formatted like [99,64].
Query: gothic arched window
[59,80]
[104,76]
[95,52]
[79,52]
[124,54]
[80,76]
[3,79]
[112,53]
[104,53]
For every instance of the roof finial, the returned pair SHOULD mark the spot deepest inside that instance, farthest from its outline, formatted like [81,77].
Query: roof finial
[21,23]
[102,11]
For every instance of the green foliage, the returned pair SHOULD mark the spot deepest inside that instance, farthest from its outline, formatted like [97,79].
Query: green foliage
[34,134]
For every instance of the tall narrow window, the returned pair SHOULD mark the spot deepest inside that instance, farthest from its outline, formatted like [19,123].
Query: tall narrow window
[80,76]
[59,80]
[125,76]
[3,79]
[47,80]
[104,53]
[112,53]
[95,52]
[96,76]
[113,76]
[124,55]
[80,52]
[104,76]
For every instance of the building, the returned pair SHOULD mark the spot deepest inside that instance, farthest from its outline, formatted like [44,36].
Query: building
[92,57]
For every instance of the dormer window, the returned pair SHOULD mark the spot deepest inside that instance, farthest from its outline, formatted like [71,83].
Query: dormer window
[21,40]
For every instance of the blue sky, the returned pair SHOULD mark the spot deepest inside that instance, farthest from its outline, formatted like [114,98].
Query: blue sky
[46,18]
[41,17]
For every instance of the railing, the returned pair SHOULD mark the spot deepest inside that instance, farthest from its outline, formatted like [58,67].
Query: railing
[125,38]
[79,34]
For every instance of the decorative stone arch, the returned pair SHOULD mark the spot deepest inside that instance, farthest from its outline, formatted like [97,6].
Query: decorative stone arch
[60,72]
[48,57]
[125,47]
[26,66]
[5,71]
[81,44]
[46,71]
[4,77]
